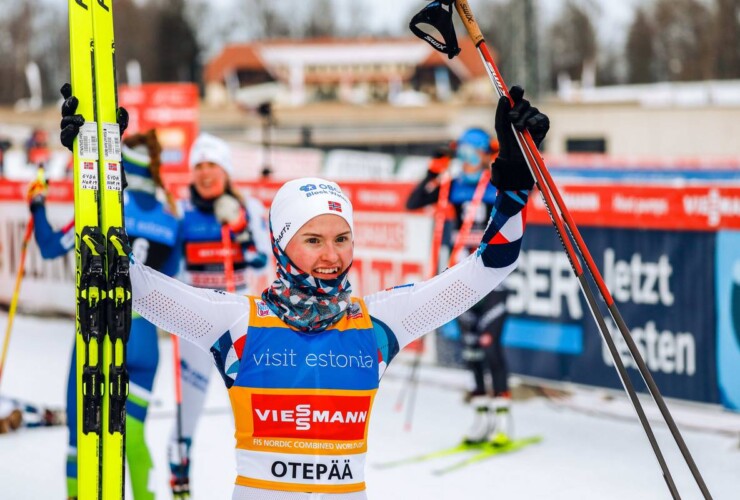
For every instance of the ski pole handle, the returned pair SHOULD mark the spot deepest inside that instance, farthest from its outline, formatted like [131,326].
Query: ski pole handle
[463,9]
[471,25]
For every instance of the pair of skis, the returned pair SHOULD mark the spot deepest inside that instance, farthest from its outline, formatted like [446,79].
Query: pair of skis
[477,453]
[101,250]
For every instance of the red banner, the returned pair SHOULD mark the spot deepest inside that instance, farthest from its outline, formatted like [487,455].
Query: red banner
[702,208]
[171,109]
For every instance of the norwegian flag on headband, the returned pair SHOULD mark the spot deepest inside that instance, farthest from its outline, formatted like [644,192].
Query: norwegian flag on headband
[335,205]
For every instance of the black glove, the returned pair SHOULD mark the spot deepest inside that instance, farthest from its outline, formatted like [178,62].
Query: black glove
[440,161]
[72,122]
[510,171]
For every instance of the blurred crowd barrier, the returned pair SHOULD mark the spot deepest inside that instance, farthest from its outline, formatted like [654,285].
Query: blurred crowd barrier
[667,247]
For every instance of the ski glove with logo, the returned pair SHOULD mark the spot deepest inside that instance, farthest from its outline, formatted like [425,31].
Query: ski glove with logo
[230,212]
[510,171]
[72,122]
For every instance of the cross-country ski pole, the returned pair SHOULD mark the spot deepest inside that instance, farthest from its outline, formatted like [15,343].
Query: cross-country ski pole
[16,293]
[228,258]
[548,190]
[440,218]
[181,446]
[467,225]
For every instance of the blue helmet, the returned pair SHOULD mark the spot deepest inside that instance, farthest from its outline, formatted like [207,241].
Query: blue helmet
[476,137]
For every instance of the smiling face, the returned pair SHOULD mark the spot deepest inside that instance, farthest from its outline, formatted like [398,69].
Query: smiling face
[209,180]
[322,247]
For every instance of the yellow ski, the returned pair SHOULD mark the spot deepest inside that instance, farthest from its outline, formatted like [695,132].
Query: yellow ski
[89,255]
[103,286]
[118,297]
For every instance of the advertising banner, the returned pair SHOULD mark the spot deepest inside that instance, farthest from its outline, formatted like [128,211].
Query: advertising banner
[727,282]
[646,206]
[662,283]
[171,109]
[670,257]
[48,285]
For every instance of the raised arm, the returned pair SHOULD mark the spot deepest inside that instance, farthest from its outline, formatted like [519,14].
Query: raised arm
[197,315]
[410,311]
[407,312]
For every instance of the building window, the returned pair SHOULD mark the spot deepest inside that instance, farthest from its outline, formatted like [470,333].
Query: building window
[585,145]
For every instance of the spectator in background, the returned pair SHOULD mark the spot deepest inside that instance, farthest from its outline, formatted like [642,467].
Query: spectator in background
[37,148]
[213,202]
[153,231]
[5,145]
[480,328]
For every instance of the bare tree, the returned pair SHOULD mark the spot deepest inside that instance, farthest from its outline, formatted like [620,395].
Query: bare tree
[135,30]
[727,39]
[510,28]
[176,43]
[320,20]
[684,41]
[264,19]
[16,29]
[573,42]
[639,50]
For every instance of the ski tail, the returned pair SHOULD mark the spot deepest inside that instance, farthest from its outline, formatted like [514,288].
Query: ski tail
[490,451]
[444,452]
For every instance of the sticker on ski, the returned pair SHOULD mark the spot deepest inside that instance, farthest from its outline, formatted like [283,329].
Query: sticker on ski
[112,141]
[89,175]
[112,176]
[88,141]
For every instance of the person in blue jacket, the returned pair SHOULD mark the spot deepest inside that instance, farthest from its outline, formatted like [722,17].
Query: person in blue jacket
[480,328]
[154,234]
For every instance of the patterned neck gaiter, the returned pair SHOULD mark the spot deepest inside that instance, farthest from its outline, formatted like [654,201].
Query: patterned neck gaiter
[309,304]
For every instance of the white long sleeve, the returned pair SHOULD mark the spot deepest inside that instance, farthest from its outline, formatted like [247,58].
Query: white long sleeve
[413,310]
[197,315]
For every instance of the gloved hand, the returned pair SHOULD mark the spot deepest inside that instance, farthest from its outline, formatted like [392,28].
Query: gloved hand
[510,171]
[36,194]
[441,158]
[230,212]
[72,122]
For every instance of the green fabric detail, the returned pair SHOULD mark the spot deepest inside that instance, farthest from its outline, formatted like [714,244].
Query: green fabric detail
[71,487]
[139,460]
[137,401]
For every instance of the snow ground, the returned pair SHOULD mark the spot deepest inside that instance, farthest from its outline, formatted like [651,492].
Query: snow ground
[589,451]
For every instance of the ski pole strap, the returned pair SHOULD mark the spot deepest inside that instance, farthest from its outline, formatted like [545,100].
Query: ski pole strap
[438,14]
[119,325]
[91,323]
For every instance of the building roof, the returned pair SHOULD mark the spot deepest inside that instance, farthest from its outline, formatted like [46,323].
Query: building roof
[235,56]
[273,56]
